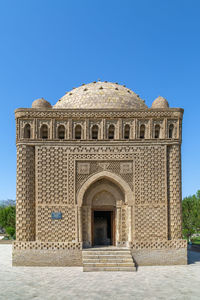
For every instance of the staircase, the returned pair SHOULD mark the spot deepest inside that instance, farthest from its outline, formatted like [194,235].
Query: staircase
[107,259]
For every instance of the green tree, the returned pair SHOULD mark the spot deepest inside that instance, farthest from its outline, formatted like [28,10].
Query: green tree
[197,211]
[7,219]
[191,215]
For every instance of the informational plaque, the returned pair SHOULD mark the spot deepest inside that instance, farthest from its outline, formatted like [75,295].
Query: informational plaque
[56,215]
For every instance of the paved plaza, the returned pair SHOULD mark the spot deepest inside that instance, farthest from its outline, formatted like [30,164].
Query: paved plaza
[167,282]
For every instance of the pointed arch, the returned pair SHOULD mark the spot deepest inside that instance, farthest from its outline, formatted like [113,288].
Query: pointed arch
[171,131]
[78,132]
[127,132]
[44,132]
[157,131]
[111,132]
[123,185]
[27,131]
[61,132]
[102,185]
[142,131]
[95,132]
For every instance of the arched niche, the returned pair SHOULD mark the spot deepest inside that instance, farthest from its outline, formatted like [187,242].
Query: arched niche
[107,192]
[117,180]
[102,193]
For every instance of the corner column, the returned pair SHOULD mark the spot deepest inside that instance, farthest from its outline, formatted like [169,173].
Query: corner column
[25,193]
[174,192]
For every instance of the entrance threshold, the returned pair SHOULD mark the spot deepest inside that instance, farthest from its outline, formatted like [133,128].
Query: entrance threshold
[102,248]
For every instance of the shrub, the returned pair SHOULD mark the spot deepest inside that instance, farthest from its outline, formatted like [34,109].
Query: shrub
[10,232]
[7,219]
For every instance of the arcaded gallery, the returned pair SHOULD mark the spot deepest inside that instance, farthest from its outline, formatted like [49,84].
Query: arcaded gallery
[99,181]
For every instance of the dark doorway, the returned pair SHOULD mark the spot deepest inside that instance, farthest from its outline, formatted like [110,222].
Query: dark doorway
[102,228]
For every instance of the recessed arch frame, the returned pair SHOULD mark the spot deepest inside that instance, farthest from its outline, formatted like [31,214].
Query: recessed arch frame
[103,187]
[122,184]
[129,202]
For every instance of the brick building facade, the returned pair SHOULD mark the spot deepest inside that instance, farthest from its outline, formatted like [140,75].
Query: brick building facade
[98,168]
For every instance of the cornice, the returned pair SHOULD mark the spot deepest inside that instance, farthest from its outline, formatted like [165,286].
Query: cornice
[97,113]
[96,144]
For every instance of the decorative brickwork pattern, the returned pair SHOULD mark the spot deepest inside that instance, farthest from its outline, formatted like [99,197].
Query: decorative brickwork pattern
[150,169]
[98,166]
[159,244]
[150,222]
[52,173]
[62,230]
[174,192]
[85,223]
[95,114]
[124,224]
[101,94]
[46,245]
[97,157]
[60,182]
[25,198]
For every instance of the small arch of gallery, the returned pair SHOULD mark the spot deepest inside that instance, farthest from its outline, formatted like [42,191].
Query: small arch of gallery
[96,132]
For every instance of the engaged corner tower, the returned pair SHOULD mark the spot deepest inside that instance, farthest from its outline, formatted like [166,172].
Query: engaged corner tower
[99,168]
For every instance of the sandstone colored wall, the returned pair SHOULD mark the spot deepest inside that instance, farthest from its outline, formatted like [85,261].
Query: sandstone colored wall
[46,254]
[174,192]
[150,193]
[57,188]
[51,172]
[47,258]
[25,196]
[52,196]
[164,257]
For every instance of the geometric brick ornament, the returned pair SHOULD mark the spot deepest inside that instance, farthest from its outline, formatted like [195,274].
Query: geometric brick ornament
[98,168]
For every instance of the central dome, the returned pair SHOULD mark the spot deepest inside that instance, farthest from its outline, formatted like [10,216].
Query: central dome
[101,95]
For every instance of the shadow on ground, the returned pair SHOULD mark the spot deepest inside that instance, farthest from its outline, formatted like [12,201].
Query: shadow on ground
[193,256]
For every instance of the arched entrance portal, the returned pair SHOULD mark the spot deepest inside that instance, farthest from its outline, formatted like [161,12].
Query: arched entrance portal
[101,201]
[105,212]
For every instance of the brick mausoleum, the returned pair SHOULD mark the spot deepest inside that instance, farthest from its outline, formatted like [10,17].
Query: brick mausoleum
[98,171]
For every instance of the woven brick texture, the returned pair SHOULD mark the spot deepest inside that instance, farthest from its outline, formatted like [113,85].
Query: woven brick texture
[25,197]
[174,192]
[51,230]
[51,174]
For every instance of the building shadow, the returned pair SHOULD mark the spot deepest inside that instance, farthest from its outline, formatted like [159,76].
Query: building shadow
[193,256]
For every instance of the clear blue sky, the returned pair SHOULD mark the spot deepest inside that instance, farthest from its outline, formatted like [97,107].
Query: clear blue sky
[47,47]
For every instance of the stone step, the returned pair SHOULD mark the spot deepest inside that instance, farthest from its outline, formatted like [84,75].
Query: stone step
[114,253]
[109,269]
[106,256]
[96,260]
[117,260]
[109,248]
[97,264]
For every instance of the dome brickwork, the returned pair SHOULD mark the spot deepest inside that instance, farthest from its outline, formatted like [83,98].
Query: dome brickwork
[41,103]
[101,95]
[160,102]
